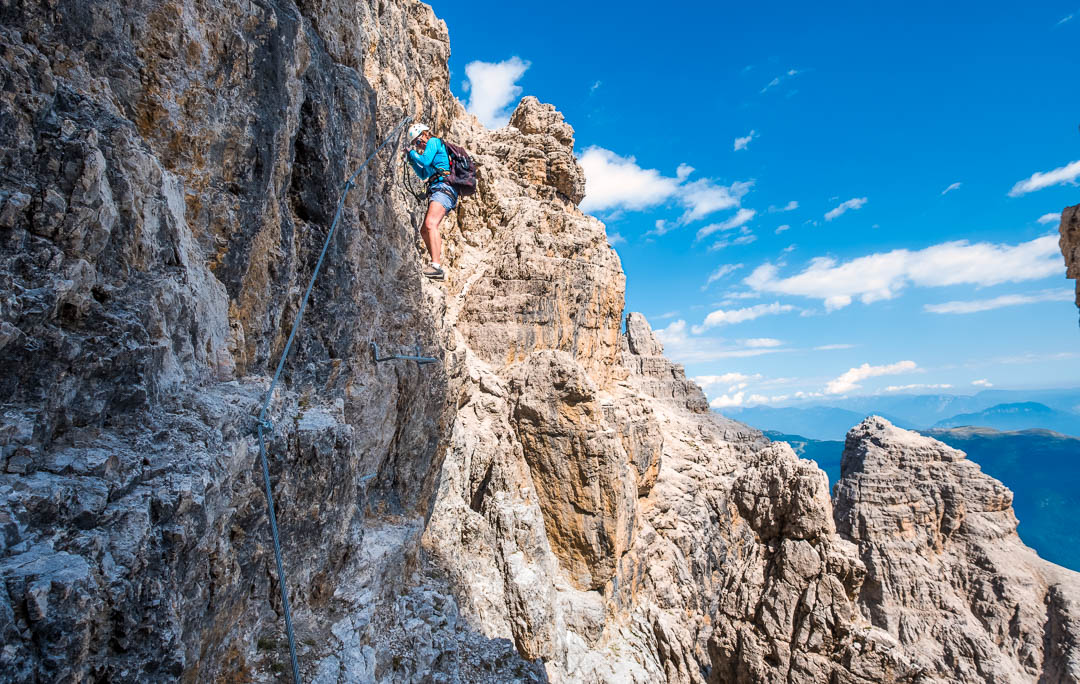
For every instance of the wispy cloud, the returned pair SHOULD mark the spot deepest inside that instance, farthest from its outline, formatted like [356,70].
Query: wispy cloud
[1065,19]
[790,206]
[916,386]
[746,238]
[732,316]
[854,203]
[882,275]
[952,187]
[727,379]
[982,383]
[741,217]
[760,342]
[782,228]
[704,196]
[790,73]
[719,273]
[977,305]
[741,143]
[681,345]
[830,347]
[1054,217]
[492,87]
[850,380]
[615,239]
[1040,180]
[593,88]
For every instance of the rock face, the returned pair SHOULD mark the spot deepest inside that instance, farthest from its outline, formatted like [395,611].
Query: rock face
[946,574]
[552,501]
[1070,244]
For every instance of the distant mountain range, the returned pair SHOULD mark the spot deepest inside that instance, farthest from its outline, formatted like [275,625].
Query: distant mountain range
[1041,467]
[1057,410]
[1019,416]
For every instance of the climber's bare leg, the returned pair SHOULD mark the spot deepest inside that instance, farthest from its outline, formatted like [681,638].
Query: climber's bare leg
[430,231]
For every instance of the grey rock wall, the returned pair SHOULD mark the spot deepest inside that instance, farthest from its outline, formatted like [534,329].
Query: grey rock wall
[552,501]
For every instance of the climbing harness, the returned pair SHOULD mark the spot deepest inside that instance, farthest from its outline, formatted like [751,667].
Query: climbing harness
[264,423]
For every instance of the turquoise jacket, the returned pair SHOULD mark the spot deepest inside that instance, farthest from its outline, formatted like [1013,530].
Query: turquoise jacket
[433,159]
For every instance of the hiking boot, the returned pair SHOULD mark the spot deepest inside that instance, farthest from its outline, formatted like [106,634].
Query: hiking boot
[434,273]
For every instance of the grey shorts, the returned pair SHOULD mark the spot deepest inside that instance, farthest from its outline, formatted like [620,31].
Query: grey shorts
[444,194]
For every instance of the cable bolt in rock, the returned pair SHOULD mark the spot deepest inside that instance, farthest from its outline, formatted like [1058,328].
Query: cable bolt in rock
[265,424]
[420,360]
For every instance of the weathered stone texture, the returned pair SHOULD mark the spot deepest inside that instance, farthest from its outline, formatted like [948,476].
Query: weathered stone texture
[946,574]
[1070,244]
[552,501]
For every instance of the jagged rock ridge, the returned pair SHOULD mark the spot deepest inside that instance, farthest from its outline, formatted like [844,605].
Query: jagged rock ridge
[1070,244]
[551,502]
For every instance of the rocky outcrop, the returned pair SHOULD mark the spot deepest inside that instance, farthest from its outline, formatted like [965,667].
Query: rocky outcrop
[946,574]
[1070,244]
[551,501]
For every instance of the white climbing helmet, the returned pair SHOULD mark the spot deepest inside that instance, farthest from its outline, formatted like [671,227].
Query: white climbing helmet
[415,130]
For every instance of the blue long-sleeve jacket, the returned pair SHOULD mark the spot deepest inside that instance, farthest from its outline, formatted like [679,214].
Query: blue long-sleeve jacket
[433,159]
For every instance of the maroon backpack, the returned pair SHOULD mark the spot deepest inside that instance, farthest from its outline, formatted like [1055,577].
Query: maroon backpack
[462,170]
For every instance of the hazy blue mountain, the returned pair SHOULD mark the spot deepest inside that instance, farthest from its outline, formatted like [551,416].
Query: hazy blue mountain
[831,421]
[1041,467]
[815,422]
[825,452]
[1019,416]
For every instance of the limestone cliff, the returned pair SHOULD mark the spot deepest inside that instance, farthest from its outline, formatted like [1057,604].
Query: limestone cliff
[552,501]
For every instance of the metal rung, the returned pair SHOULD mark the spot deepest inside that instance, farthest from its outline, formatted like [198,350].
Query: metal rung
[421,360]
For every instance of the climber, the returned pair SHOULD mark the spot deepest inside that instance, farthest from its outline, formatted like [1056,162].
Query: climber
[430,161]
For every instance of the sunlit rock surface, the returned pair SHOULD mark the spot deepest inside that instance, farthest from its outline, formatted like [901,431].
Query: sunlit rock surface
[551,501]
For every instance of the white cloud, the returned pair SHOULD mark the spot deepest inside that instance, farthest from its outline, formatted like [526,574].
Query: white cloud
[830,347]
[732,316]
[952,187]
[592,89]
[741,143]
[1038,180]
[853,203]
[982,383]
[918,386]
[741,217]
[615,239]
[782,228]
[1050,218]
[727,379]
[615,182]
[790,206]
[612,181]
[725,401]
[882,275]
[851,379]
[492,87]
[974,306]
[1065,19]
[762,342]
[719,273]
[703,197]
[667,315]
[788,249]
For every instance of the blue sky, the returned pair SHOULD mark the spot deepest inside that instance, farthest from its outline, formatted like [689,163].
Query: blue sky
[812,202]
